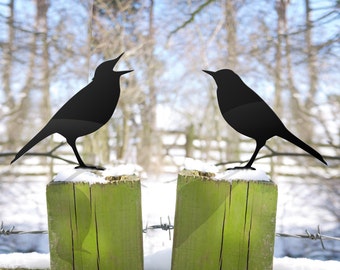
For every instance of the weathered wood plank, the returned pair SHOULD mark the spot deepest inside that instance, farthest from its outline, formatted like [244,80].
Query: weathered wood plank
[200,209]
[222,224]
[60,210]
[118,218]
[96,226]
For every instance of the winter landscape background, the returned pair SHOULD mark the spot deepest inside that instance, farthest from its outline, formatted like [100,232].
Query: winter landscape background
[287,51]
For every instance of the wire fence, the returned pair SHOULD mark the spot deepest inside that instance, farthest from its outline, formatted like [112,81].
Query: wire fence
[168,227]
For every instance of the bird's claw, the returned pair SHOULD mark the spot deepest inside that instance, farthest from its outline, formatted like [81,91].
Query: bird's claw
[99,168]
[241,168]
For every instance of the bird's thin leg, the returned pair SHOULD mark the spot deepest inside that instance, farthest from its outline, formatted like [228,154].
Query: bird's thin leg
[259,145]
[72,143]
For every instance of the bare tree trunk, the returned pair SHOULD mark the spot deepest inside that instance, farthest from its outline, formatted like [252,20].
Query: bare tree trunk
[295,106]
[312,69]
[281,11]
[45,105]
[189,142]
[7,74]
[280,7]
[19,104]
[233,146]
[231,25]
[123,133]
[8,58]
[42,27]
[123,129]
[148,141]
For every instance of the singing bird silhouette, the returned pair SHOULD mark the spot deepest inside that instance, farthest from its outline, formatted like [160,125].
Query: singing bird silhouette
[249,114]
[87,111]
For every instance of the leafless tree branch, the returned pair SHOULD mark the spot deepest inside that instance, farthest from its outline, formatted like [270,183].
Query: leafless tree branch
[43,154]
[274,153]
[191,19]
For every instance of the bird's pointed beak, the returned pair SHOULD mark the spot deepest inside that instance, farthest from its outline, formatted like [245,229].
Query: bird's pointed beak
[123,72]
[115,61]
[211,73]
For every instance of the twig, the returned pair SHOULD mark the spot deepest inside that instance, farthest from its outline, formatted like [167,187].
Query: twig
[277,154]
[44,154]
[191,19]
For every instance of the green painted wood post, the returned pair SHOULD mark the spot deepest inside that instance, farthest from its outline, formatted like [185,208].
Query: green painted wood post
[95,226]
[222,224]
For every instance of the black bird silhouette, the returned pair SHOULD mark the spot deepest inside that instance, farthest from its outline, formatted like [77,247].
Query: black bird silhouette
[250,115]
[85,112]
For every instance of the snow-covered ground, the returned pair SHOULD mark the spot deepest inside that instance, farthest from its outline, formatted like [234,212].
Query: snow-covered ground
[160,260]
[158,195]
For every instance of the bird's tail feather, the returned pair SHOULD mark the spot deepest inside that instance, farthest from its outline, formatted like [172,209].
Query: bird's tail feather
[46,131]
[295,140]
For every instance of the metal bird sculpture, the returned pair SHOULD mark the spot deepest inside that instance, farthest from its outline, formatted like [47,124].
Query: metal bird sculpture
[87,111]
[249,114]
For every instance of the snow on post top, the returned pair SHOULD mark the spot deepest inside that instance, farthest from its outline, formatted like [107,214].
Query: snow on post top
[229,175]
[191,164]
[243,174]
[97,176]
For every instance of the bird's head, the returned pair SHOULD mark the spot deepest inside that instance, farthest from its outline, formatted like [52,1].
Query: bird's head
[105,69]
[223,75]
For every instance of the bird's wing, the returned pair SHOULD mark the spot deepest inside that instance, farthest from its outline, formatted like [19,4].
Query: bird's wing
[236,96]
[255,120]
[90,104]
[75,107]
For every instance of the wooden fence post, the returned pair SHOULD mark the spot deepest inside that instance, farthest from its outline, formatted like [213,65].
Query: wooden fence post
[222,224]
[95,226]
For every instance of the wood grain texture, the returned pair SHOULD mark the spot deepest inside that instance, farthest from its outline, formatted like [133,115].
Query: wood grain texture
[96,226]
[222,224]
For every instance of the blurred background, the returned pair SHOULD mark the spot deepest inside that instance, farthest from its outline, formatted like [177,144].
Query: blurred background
[287,51]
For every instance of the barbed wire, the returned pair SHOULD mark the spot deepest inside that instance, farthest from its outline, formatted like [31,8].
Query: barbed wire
[161,225]
[168,227]
[11,231]
[312,236]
